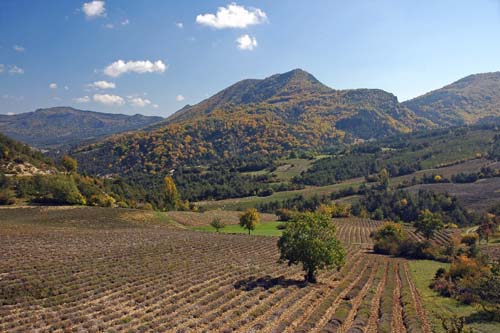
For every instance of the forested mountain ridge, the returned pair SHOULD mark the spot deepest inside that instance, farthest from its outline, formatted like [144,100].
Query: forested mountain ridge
[269,117]
[475,98]
[59,126]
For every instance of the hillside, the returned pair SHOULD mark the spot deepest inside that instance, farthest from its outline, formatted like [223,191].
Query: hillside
[59,126]
[264,118]
[475,98]
[19,159]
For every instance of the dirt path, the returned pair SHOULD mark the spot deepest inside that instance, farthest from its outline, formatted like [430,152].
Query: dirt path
[397,310]
[375,306]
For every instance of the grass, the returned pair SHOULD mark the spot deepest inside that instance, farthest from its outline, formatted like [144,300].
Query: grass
[287,169]
[253,201]
[262,229]
[423,272]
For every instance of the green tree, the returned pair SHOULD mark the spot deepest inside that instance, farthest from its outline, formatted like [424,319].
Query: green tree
[309,239]
[249,219]
[172,197]
[428,223]
[217,224]
[69,164]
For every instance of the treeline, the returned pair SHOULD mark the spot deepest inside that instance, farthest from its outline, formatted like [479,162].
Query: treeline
[71,189]
[401,205]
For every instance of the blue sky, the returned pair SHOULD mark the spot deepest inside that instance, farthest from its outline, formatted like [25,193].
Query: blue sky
[153,57]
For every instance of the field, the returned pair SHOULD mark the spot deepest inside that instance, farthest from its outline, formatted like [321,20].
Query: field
[479,195]
[89,269]
[192,219]
[247,202]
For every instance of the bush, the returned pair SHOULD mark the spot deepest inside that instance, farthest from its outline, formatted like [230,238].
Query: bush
[59,190]
[470,239]
[6,197]
[388,238]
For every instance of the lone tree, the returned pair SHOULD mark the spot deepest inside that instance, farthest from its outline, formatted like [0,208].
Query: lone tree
[217,224]
[172,197]
[309,239]
[249,219]
[428,223]
[69,163]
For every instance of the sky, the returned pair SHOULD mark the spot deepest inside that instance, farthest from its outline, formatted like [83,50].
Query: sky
[153,57]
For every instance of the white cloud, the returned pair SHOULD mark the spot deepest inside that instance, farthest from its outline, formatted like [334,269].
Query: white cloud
[16,70]
[10,113]
[179,98]
[53,86]
[109,26]
[125,22]
[66,88]
[179,25]
[84,99]
[18,48]
[246,42]
[120,67]
[2,68]
[232,16]
[156,106]
[102,85]
[139,102]
[94,9]
[108,99]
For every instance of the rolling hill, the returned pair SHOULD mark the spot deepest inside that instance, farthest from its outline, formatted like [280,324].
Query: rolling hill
[475,98]
[265,118]
[63,126]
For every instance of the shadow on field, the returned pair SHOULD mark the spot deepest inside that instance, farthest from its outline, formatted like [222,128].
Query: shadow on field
[267,282]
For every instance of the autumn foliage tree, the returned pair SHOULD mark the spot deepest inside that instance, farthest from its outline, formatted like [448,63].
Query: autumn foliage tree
[69,164]
[172,197]
[309,239]
[249,219]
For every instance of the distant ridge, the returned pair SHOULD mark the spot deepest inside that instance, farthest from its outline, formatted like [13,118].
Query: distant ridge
[475,98]
[61,126]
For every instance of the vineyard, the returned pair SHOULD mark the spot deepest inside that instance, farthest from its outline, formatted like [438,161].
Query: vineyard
[72,276]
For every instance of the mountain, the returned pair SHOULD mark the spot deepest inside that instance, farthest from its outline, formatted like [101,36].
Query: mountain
[62,126]
[475,98]
[266,118]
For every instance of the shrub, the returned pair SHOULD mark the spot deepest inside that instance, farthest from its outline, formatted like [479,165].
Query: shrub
[388,238]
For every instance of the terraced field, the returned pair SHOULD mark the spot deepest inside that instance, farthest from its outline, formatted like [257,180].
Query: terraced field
[69,275]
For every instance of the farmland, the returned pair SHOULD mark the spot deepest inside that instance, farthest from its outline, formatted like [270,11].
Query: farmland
[139,272]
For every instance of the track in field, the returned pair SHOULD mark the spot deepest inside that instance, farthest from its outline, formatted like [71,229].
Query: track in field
[166,280]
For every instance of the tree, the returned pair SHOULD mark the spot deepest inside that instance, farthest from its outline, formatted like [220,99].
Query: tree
[428,223]
[217,224]
[172,197]
[249,219]
[309,239]
[486,227]
[69,163]
[383,177]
